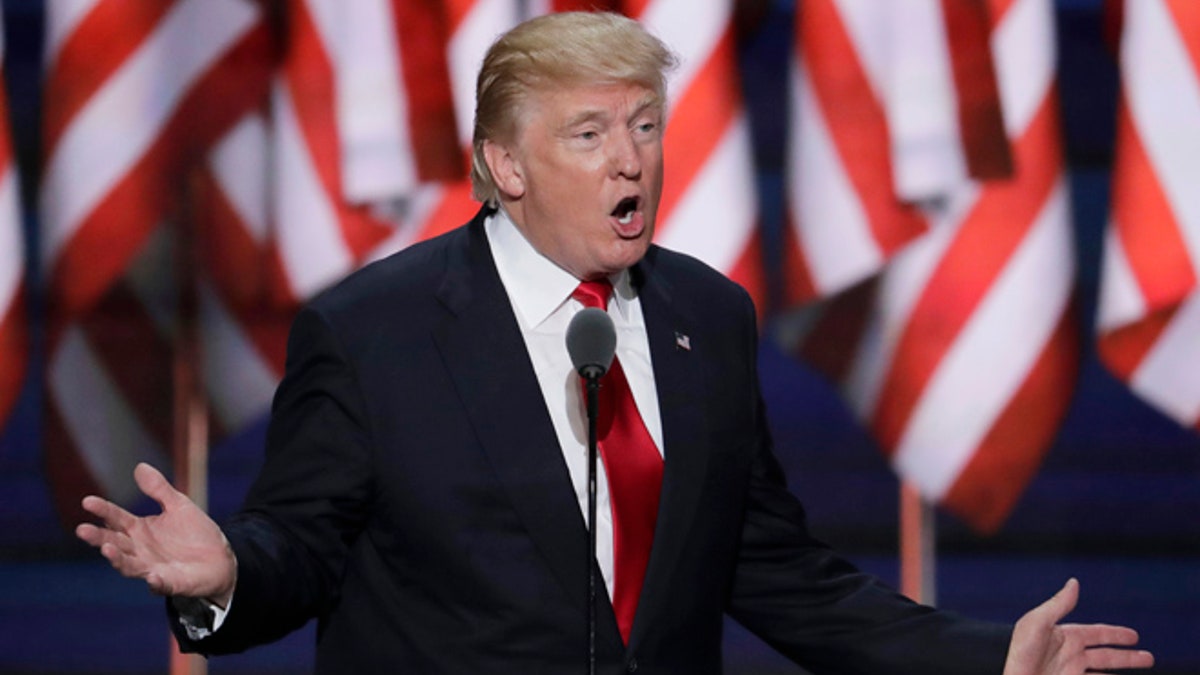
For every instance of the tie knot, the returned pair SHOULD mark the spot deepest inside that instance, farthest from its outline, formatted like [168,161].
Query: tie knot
[593,293]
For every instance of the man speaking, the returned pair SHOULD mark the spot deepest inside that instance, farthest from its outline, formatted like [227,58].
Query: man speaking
[424,489]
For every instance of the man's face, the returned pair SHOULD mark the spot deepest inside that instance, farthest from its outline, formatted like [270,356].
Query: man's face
[583,179]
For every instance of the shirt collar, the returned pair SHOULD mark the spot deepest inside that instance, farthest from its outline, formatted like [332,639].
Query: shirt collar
[536,286]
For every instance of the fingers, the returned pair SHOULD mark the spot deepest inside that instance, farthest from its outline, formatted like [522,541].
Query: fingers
[1108,658]
[1097,634]
[1062,603]
[151,481]
[114,517]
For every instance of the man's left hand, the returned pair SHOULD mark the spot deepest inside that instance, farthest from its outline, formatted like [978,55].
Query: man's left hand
[1042,646]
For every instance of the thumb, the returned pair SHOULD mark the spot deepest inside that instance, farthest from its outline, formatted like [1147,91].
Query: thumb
[156,486]
[1063,602]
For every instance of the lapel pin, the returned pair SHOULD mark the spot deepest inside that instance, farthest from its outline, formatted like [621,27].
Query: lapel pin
[683,342]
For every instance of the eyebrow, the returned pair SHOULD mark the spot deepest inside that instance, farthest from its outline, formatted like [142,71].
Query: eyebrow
[649,101]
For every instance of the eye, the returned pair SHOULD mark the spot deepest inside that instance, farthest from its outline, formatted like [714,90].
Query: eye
[588,135]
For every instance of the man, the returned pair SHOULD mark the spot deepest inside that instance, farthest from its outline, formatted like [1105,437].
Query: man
[425,467]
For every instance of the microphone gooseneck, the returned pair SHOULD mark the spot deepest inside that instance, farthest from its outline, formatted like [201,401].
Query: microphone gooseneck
[591,342]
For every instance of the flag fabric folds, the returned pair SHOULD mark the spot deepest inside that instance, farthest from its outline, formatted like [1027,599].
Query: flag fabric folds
[14,337]
[134,94]
[1148,316]
[954,341]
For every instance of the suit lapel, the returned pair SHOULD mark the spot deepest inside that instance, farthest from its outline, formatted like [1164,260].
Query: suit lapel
[484,351]
[679,383]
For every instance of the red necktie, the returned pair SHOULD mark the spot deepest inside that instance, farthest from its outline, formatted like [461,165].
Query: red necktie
[634,468]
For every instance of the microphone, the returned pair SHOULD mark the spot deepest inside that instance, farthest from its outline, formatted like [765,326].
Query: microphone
[591,342]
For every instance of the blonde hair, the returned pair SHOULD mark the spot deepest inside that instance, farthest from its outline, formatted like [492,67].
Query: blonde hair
[564,49]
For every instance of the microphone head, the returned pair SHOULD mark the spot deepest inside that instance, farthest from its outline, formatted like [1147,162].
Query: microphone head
[591,342]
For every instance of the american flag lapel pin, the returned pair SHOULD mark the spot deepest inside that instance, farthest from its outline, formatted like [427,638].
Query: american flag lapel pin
[683,342]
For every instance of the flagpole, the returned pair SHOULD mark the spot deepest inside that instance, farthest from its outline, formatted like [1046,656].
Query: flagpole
[189,444]
[918,546]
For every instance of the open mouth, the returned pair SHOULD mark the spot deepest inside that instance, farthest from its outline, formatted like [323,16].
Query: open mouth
[625,210]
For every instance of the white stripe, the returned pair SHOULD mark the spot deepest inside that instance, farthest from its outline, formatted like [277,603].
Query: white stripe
[717,214]
[830,224]
[372,105]
[481,26]
[1023,52]
[119,124]
[692,31]
[62,17]
[901,285]
[869,28]
[309,232]
[12,245]
[240,383]
[922,104]
[1163,93]
[1121,301]
[992,356]
[107,434]
[1169,375]
[239,166]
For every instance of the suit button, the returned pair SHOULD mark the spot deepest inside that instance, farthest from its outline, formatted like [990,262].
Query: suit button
[632,666]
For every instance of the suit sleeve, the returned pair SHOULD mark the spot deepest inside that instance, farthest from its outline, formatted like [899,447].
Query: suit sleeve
[309,503]
[819,610]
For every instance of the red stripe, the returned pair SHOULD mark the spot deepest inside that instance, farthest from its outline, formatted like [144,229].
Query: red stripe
[309,75]
[799,285]
[135,356]
[1145,223]
[1124,349]
[116,229]
[989,235]
[456,12]
[985,143]
[238,268]
[421,31]
[633,8]
[232,258]
[108,35]
[701,118]
[747,271]
[833,341]
[454,208]
[1186,14]
[988,488]
[14,351]
[856,122]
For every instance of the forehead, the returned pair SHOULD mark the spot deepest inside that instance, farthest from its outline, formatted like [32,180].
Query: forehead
[566,103]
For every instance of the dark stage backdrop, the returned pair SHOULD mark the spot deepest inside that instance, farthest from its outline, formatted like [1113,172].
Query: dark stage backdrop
[1116,503]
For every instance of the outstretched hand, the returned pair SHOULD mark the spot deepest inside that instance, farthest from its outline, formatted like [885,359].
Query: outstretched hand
[179,552]
[1042,646]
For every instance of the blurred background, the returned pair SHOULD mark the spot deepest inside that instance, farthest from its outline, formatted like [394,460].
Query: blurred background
[971,228]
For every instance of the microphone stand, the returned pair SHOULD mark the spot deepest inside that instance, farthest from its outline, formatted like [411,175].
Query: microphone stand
[592,379]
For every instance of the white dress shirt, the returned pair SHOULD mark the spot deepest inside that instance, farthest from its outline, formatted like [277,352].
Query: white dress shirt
[540,294]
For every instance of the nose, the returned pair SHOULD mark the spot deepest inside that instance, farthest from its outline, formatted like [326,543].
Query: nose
[624,159]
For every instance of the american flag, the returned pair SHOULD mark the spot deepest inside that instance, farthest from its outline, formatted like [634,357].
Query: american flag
[14,345]
[955,343]
[135,93]
[1148,320]
[286,160]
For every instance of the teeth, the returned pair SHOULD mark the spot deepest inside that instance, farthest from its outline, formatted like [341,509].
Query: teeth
[625,219]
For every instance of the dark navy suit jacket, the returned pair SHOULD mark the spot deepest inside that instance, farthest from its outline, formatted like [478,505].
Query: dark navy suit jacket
[414,498]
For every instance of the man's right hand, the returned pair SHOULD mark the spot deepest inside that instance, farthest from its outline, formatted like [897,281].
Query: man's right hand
[179,552]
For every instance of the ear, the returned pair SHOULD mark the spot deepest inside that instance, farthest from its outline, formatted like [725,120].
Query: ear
[506,169]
